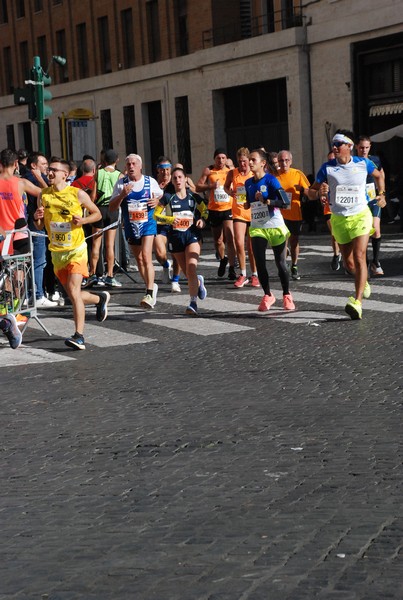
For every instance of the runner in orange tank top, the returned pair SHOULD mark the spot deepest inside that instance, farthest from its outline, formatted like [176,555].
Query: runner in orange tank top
[235,187]
[220,211]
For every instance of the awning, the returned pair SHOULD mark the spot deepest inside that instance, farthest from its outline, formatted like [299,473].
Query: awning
[386,109]
[385,136]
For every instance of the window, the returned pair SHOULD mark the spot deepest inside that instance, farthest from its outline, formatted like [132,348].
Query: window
[61,72]
[24,60]
[127,38]
[3,12]
[20,8]
[183,132]
[183,36]
[42,50]
[82,50]
[10,137]
[106,128]
[38,5]
[130,129]
[8,70]
[153,31]
[104,46]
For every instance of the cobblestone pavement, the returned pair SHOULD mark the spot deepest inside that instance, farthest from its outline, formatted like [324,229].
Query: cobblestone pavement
[236,456]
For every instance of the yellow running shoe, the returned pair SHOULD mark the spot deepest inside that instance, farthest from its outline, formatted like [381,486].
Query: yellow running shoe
[367,290]
[354,309]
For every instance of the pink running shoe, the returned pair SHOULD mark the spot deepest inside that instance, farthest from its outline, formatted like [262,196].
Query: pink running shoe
[241,281]
[254,281]
[288,302]
[266,302]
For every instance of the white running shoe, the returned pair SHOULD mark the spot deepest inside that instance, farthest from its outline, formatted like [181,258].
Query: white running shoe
[175,287]
[45,303]
[167,273]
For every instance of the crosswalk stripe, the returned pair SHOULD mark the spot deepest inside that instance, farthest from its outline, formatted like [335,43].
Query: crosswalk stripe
[378,288]
[214,304]
[198,325]
[338,301]
[96,335]
[25,355]
[229,307]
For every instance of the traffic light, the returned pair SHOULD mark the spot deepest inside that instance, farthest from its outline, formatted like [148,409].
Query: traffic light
[47,95]
[26,95]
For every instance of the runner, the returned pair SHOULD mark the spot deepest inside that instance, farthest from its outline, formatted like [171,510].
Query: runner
[293,182]
[363,146]
[184,236]
[60,209]
[138,196]
[265,197]
[212,181]
[343,181]
[170,269]
[235,187]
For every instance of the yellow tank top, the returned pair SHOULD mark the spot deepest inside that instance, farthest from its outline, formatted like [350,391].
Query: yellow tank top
[60,207]
[218,198]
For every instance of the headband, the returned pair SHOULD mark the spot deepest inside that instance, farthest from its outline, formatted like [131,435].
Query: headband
[339,137]
[164,166]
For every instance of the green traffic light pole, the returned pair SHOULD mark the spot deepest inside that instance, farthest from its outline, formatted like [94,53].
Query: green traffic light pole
[38,74]
[41,79]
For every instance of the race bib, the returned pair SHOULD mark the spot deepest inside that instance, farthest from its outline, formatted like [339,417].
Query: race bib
[289,196]
[60,234]
[240,194]
[220,195]
[138,212]
[371,191]
[347,195]
[260,214]
[185,220]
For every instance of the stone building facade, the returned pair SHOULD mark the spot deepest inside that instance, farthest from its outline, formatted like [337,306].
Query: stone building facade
[181,77]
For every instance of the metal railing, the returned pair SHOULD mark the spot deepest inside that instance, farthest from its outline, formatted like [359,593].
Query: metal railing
[259,25]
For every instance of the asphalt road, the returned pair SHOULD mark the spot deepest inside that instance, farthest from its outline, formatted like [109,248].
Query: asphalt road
[236,456]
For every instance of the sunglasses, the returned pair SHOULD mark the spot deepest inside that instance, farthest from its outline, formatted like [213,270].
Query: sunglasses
[338,144]
[53,170]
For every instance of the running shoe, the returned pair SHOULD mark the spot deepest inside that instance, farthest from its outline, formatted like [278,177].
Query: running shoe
[336,262]
[45,303]
[102,306]
[222,267]
[232,276]
[254,281]
[201,292]
[266,302]
[8,325]
[155,292]
[112,282]
[367,291]
[288,302]
[376,269]
[167,273]
[147,301]
[175,287]
[241,281]
[90,282]
[354,309]
[294,273]
[76,342]
[191,309]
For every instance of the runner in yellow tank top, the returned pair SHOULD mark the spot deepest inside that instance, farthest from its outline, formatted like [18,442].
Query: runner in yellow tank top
[60,210]
[220,211]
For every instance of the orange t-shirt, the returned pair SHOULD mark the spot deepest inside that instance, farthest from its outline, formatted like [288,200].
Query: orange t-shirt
[238,186]
[288,182]
[218,198]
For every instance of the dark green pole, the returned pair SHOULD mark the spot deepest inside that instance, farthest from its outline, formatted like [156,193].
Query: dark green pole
[40,120]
